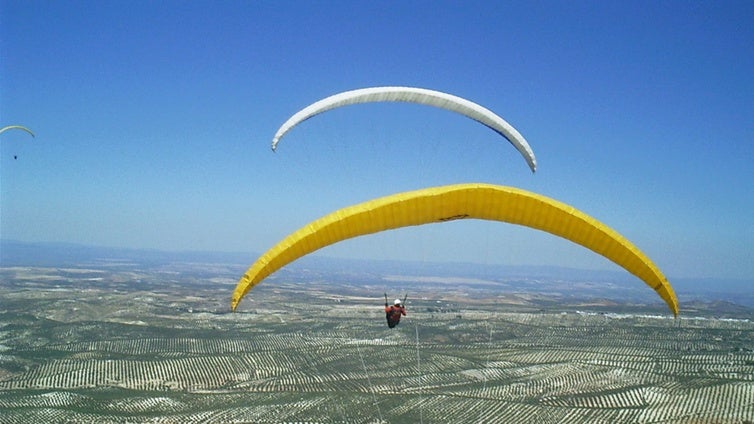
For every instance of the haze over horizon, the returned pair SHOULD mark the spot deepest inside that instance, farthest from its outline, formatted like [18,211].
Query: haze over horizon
[618,284]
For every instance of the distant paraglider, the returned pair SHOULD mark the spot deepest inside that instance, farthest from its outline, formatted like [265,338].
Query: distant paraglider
[419,96]
[16,127]
[448,203]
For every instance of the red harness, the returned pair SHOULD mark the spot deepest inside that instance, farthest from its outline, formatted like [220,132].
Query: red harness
[393,315]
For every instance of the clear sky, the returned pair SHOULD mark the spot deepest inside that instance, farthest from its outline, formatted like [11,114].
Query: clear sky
[153,123]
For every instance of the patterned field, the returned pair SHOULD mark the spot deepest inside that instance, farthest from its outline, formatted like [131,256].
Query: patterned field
[94,355]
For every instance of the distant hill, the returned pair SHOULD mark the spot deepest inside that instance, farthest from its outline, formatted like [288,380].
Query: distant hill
[16,253]
[525,278]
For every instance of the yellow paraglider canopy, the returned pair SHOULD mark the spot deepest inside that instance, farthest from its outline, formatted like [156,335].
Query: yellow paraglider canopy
[446,203]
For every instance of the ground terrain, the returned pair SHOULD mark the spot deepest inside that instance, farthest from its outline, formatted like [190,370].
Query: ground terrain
[120,342]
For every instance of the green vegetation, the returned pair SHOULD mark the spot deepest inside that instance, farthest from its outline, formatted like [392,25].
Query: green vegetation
[164,350]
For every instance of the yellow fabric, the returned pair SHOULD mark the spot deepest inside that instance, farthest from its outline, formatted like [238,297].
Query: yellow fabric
[440,204]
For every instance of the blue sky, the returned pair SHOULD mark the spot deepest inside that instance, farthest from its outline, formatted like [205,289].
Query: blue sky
[153,122]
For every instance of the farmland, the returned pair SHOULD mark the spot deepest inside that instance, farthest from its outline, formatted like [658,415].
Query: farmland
[121,344]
